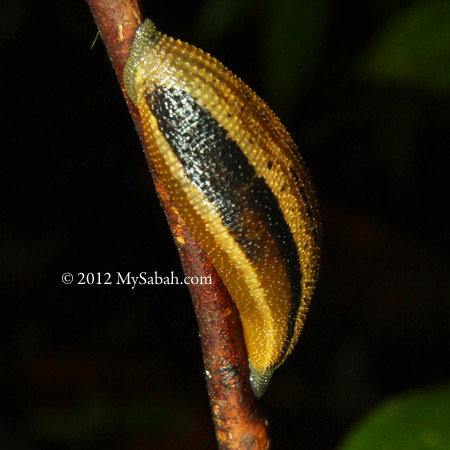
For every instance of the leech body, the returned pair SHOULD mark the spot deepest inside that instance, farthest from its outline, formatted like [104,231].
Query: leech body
[235,177]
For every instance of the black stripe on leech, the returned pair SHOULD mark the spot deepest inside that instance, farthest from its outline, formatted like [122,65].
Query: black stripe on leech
[220,170]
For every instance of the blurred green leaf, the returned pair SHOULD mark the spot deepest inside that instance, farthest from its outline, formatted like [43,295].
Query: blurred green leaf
[413,48]
[414,421]
[217,18]
[96,415]
[293,32]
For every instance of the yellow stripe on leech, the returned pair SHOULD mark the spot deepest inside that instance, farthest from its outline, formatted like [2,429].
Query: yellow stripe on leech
[243,280]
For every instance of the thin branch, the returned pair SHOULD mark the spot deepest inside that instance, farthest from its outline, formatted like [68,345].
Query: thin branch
[238,422]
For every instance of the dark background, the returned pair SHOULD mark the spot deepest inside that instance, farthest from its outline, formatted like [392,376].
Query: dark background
[364,88]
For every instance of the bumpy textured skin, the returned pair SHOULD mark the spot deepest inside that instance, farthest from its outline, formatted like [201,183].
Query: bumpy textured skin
[236,178]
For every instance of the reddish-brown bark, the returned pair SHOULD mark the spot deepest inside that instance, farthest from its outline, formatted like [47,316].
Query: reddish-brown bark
[238,422]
